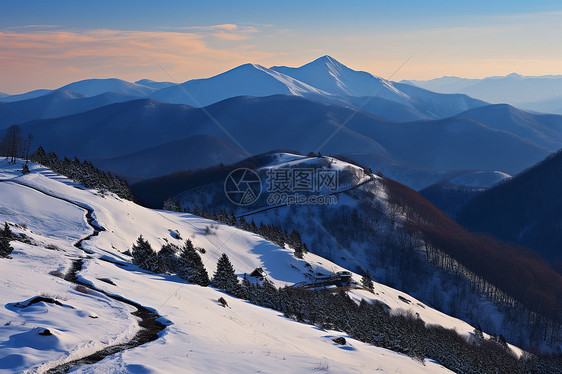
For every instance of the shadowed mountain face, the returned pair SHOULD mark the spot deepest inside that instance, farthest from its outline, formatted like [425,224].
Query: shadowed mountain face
[56,104]
[198,151]
[257,125]
[542,129]
[526,209]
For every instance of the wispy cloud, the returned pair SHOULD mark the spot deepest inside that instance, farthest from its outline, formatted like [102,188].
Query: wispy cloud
[226,31]
[34,27]
[58,56]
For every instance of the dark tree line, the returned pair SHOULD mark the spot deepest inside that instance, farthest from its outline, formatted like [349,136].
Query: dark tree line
[83,173]
[406,333]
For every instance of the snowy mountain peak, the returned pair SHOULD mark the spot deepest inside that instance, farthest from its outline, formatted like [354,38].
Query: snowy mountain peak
[329,62]
[330,75]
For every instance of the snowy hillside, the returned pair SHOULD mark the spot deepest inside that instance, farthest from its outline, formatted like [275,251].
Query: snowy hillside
[200,334]
[376,224]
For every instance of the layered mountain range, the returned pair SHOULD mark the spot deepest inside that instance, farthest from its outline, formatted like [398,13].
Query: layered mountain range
[415,136]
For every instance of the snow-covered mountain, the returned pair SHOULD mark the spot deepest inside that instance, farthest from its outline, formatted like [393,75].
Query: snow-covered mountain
[329,75]
[200,334]
[325,80]
[244,80]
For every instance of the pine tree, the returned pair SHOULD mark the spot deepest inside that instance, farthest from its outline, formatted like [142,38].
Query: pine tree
[478,332]
[143,255]
[367,281]
[225,278]
[172,205]
[39,156]
[167,259]
[7,232]
[5,236]
[190,266]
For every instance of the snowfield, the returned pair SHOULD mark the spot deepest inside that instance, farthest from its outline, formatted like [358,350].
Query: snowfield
[201,336]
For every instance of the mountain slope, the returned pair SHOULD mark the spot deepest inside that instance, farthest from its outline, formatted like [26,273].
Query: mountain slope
[244,80]
[154,84]
[58,103]
[372,223]
[525,209]
[24,96]
[331,76]
[543,129]
[287,122]
[438,105]
[198,151]
[215,338]
[451,195]
[93,87]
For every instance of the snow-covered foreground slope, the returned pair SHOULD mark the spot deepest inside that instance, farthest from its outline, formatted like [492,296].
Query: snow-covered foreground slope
[201,336]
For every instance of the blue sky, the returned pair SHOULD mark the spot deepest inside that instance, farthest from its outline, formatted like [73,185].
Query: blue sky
[44,44]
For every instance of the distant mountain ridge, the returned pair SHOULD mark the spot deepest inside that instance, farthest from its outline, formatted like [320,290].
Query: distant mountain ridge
[538,93]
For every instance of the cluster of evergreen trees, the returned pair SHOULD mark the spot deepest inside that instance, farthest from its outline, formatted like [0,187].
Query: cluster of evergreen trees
[368,322]
[406,333]
[184,261]
[6,235]
[83,173]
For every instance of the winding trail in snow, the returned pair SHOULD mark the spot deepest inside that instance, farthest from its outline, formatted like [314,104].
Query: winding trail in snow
[149,325]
